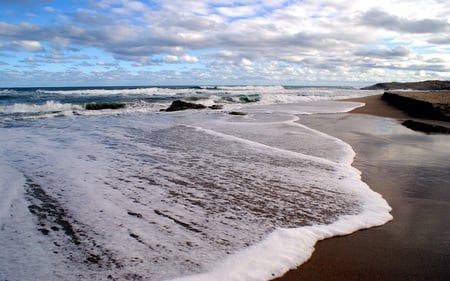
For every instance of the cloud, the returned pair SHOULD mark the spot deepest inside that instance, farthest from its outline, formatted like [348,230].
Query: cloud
[106,64]
[189,59]
[238,11]
[382,19]
[176,59]
[385,52]
[16,1]
[226,39]
[444,40]
[170,58]
[23,45]
[30,61]
[246,62]
[21,31]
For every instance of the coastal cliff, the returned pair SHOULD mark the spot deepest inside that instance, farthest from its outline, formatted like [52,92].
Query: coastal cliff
[429,105]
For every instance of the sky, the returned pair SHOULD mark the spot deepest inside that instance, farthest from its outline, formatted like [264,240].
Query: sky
[222,42]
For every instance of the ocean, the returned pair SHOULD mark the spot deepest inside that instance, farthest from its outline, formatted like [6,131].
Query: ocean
[100,183]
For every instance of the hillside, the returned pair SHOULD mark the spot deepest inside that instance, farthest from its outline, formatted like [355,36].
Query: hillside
[430,85]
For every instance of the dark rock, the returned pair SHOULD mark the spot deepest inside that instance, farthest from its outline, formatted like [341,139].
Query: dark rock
[101,106]
[216,106]
[237,113]
[135,236]
[183,105]
[418,106]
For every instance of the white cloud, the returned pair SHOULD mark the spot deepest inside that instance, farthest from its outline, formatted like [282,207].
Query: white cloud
[170,58]
[190,59]
[30,46]
[341,39]
[49,9]
[238,11]
[246,62]
[23,45]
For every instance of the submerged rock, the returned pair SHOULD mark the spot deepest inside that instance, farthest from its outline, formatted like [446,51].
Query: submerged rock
[106,105]
[237,113]
[183,105]
[216,106]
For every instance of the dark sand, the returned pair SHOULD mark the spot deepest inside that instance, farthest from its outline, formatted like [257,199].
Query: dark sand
[412,172]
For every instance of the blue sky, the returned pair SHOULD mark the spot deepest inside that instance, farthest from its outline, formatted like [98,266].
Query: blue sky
[123,42]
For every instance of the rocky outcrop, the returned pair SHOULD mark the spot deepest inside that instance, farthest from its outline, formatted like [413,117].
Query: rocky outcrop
[101,106]
[216,106]
[429,105]
[430,85]
[178,105]
[183,105]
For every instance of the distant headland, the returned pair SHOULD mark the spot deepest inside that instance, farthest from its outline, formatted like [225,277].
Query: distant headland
[430,85]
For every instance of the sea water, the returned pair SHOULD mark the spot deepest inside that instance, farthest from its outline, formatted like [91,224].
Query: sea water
[134,193]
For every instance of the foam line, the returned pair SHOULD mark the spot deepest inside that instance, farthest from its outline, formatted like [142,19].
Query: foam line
[264,146]
[286,249]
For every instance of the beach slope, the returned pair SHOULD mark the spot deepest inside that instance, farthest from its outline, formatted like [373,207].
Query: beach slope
[410,169]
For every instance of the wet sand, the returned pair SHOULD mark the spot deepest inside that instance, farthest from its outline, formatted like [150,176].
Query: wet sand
[410,169]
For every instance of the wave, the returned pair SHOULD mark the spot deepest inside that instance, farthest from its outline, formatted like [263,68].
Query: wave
[49,106]
[7,92]
[50,102]
[168,91]
[244,88]
[100,92]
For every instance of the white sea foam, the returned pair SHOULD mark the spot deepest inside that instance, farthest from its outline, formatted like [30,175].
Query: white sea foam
[7,92]
[49,106]
[246,89]
[11,183]
[194,195]
[286,249]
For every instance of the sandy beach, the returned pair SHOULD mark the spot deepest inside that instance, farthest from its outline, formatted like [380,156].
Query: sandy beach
[410,169]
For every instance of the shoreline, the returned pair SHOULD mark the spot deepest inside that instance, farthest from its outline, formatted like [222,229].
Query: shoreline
[410,170]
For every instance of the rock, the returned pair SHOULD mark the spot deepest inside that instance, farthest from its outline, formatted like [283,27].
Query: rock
[431,105]
[106,105]
[183,105]
[237,113]
[216,106]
